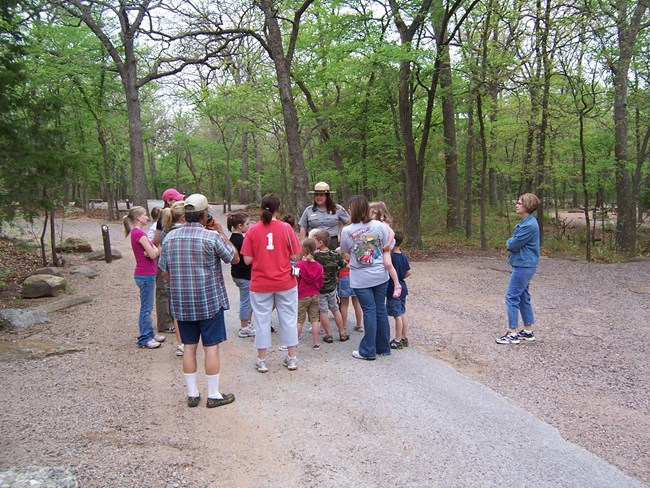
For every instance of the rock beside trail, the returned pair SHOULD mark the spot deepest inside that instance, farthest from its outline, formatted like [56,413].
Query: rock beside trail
[86,271]
[33,349]
[13,318]
[48,271]
[43,285]
[74,244]
[99,255]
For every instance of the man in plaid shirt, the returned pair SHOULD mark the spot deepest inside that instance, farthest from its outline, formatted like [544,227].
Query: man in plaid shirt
[191,263]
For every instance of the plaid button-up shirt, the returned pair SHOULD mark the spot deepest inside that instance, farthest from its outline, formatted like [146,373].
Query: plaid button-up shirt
[192,256]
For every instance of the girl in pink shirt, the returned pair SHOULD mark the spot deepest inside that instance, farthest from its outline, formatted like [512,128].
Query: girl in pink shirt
[310,280]
[145,274]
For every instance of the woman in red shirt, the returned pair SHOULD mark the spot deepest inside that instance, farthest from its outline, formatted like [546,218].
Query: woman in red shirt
[269,246]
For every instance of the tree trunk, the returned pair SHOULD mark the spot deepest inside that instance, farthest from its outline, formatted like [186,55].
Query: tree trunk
[413,163]
[189,162]
[585,189]
[469,162]
[289,113]
[136,143]
[451,150]
[324,124]
[494,145]
[244,188]
[413,195]
[628,31]
[151,159]
[543,126]
[55,257]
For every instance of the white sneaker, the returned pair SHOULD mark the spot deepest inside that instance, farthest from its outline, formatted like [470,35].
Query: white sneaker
[282,348]
[260,364]
[509,338]
[159,338]
[152,344]
[291,363]
[180,350]
[248,331]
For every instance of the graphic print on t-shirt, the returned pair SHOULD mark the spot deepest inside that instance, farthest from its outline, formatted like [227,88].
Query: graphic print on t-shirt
[366,247]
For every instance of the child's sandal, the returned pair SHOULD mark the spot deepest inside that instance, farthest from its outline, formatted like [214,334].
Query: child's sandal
[343,337]
[328,339]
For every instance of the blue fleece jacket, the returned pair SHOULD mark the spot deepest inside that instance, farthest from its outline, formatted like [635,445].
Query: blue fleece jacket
[524,244]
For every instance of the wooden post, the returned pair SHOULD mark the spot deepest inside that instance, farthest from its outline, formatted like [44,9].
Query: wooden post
[108,255]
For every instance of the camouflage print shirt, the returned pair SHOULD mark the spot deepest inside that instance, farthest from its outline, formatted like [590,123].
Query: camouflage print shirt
[331,262]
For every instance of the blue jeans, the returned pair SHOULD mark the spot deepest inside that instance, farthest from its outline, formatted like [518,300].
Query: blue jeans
[376,339]
[147,285]
[518,297]
[244,298]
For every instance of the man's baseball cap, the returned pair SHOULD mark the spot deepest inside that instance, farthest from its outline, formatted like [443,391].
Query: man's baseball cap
[196,203]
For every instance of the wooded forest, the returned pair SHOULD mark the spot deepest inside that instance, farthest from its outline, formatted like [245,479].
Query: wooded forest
[446,110]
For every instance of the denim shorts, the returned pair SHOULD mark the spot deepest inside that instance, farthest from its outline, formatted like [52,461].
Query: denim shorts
[345,290]
[211,331]
[396,307]
[329,301]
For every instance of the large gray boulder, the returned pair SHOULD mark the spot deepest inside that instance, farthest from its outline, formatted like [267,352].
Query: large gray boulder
[43,285]
[14,318]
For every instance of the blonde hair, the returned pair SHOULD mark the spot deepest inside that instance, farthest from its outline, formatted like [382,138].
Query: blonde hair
[379,211]
[129,218]
[322,235]
[173,214]
[530,202]
[308,248]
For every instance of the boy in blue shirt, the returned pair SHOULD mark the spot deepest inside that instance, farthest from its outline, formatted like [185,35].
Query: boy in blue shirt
[396,307]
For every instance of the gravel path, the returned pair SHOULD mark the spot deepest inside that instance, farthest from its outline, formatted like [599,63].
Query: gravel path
[115,415]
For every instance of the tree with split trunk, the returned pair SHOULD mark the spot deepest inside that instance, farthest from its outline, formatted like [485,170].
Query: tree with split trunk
[119,25]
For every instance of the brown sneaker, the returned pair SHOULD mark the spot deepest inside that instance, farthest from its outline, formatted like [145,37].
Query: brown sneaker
[193,401]
[219,402]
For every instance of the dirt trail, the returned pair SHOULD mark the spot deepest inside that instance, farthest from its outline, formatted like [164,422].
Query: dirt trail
[116,415]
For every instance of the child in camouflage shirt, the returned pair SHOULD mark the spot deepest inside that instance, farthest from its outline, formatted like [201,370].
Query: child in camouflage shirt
[331,262]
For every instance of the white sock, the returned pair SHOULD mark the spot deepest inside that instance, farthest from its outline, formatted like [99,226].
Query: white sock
[213,386]
[190,382]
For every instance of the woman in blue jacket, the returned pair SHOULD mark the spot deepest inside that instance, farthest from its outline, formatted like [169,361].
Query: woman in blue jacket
[524,257]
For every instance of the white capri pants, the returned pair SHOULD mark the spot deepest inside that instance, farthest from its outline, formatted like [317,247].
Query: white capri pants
[286,304]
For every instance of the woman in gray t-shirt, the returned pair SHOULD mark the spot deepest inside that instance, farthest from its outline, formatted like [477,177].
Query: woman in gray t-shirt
[363,241]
